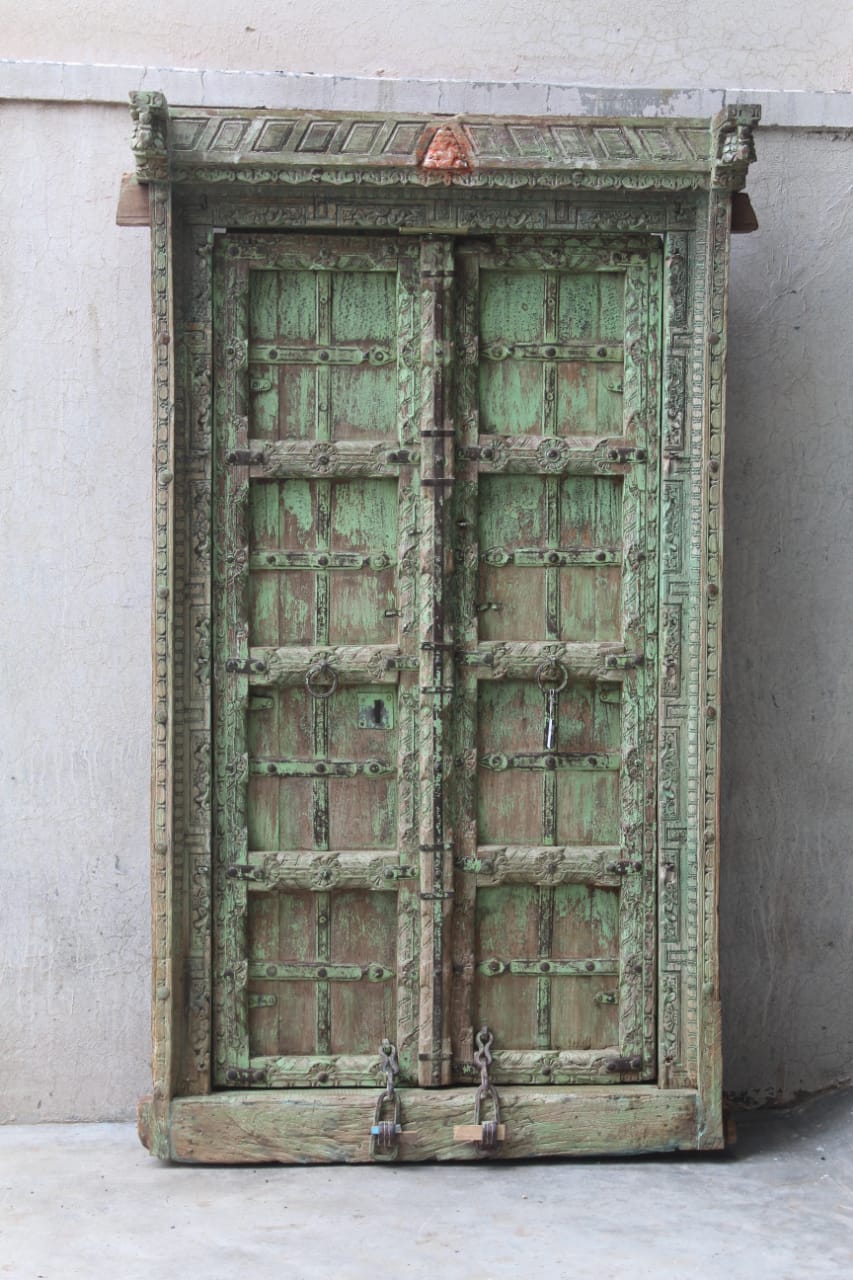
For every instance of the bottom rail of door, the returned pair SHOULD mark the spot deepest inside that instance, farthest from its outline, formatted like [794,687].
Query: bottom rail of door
[325,1126]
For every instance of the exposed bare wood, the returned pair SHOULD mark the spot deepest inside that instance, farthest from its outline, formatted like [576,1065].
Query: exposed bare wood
[240,1128]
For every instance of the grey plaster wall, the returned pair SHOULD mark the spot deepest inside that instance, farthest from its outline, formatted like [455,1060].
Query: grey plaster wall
[771,44]
[74,632]
[74,620]
[787,899]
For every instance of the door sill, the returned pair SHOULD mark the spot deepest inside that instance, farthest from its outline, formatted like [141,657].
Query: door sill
[321,1126]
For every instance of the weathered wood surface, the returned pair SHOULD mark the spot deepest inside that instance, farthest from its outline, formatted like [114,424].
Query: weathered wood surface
[134,206]
[259,146]
[436,574]
[299,1127]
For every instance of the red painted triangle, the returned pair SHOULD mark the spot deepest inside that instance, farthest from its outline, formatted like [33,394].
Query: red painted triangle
[446,151]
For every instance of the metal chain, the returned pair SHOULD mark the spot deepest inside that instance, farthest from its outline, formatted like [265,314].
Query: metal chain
[483,1055]
[384,1133]
[390,1066]
[483,1059]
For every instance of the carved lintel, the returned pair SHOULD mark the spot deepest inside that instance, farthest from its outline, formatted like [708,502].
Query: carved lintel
[363,150]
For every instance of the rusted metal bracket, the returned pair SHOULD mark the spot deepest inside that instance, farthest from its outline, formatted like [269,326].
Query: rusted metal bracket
[318,971]
[535,557]
[623,868]
[627,454]
[245,666]
[625,1066]
[551,760]
[602,965]
[624,661]
[245,458]
[291,768]
[246,1075]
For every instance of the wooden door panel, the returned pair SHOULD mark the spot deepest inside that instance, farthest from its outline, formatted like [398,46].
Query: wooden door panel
[528,523]
[381,703]
[317,946]
[549,955]
[555,893]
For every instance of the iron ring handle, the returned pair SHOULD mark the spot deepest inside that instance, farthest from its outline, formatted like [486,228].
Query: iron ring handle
[562,676]
[321,669]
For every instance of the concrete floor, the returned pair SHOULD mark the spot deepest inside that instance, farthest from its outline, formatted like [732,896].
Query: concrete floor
[85,1201]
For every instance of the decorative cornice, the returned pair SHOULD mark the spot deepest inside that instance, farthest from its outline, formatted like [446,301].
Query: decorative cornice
[227,145]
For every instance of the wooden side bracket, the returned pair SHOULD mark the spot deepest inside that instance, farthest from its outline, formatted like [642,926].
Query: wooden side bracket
[133,207]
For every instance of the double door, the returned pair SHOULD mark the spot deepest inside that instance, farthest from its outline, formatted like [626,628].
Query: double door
[435,681]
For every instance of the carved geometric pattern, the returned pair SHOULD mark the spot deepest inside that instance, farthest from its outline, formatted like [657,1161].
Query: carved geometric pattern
[251,146]
[665,178]
[658,143]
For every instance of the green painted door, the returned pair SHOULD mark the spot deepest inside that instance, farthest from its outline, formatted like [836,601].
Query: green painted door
[435,559]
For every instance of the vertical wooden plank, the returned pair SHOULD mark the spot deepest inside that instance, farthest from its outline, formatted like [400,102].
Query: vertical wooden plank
[320,707]
[507,928]
[436,666]
[545,933]
[231,636]
[406,634]
[553,631]
[363,933]
[323,499]
[468,629]
[264,943]
[511,600]
[585,923]
[264,730]
[639,630]
[193,902]
[510,391]
[710,585]
[297,921]
[162,816]
[323,951]
[652,859]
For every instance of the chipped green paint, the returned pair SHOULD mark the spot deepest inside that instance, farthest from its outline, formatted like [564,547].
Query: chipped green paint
[554,562]
[424,471]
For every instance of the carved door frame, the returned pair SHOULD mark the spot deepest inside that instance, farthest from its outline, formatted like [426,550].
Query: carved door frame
[208,170]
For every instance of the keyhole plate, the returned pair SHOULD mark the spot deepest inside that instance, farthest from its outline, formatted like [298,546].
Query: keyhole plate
[375,711]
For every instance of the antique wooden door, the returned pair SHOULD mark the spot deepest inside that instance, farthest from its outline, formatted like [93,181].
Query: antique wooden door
[435,618]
